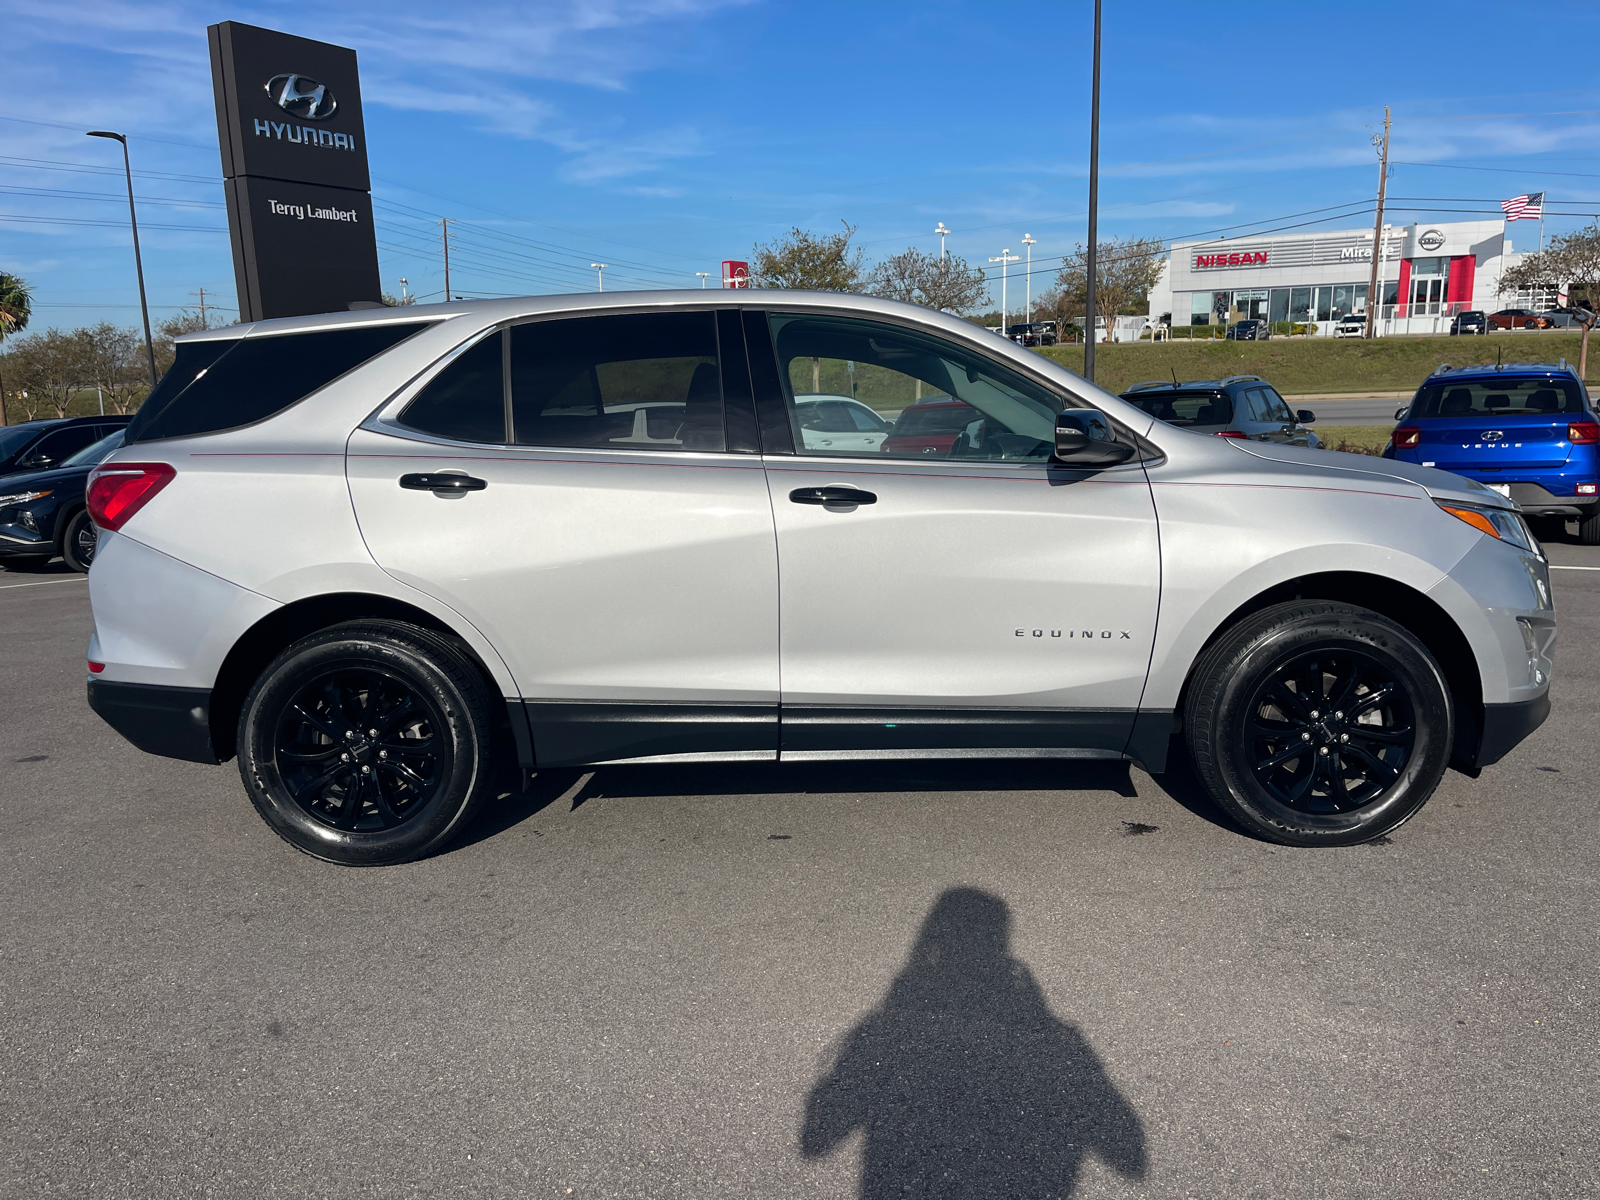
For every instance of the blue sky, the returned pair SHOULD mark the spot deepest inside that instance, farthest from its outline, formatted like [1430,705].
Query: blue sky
[663,136]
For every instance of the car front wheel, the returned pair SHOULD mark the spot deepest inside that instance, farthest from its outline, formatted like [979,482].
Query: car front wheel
[79,540]
[366,743]
[1319,724]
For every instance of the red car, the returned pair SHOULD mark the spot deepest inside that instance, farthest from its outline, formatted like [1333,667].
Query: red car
[929,427]
[1518,318]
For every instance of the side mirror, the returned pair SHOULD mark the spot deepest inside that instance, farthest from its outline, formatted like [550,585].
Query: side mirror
[1084,438]
[1305,416]
[1399,414]
[36,460]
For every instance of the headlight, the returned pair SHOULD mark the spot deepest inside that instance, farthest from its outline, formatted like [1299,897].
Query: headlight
[1499,523]
[23,497]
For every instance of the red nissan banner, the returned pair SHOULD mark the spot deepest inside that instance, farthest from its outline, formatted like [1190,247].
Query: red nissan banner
[735,274]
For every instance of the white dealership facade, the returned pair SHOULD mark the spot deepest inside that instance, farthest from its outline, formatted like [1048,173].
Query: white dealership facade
[1428,272]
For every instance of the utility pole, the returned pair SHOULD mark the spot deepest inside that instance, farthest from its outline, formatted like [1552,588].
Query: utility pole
[704,275]
[204,321]
[1030,242]
[138,263]
[444,223]
[943,233]
[1377,225]
[1090,267]
[600,273]
[1005,257]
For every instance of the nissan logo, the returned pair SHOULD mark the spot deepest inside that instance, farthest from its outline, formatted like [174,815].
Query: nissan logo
[1493,435]
[302,96]
[1430,240]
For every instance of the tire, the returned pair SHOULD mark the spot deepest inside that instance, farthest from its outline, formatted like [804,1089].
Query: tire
[1589,529]
[1246,717]
[79,540]
[331,789]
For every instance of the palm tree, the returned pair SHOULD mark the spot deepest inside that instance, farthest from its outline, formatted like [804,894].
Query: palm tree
[16,306]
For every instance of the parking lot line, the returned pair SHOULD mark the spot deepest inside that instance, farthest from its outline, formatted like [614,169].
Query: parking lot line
[43,583]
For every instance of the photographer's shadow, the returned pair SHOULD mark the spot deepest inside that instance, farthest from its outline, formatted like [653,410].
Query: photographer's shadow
[964,1083]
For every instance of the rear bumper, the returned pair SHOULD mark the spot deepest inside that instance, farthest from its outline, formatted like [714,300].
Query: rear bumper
[174,722]
[1505,725]
[1538,501]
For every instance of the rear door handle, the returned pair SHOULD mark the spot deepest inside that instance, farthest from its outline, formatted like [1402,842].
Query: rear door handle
[441,484]
[832,495]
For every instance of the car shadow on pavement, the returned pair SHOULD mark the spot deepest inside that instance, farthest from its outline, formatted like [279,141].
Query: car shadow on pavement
[962,1082]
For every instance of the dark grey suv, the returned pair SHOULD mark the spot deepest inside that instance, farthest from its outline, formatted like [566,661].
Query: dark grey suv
[1240,406]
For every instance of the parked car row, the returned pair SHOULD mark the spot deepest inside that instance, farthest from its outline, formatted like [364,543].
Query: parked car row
[44,472]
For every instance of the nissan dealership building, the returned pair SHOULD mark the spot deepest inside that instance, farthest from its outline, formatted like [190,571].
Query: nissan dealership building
[1427,273]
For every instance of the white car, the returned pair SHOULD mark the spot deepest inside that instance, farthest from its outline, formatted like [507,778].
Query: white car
[1354,325]
[838,423]
[360,550]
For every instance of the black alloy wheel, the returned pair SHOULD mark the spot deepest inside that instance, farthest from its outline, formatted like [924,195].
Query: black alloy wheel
[1330,731]
[367,743]
[361,749]
[79,541]
[1319,724]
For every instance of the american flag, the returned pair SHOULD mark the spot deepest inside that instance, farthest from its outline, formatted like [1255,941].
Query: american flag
[1527,207]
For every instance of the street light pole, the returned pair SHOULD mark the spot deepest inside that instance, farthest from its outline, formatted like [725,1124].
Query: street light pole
[704,275]
[600,274]
[1005,257]
[138,263]
[1091,266]
[1030,242]
[943,233]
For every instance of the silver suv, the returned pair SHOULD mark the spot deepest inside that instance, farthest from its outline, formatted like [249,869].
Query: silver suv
[358,551]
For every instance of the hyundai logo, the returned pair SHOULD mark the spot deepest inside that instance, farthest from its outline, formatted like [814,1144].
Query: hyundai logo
[1431,240]
[302,96]
[1493,435]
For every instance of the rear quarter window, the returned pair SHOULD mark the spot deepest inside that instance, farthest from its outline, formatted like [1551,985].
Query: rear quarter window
[217,385]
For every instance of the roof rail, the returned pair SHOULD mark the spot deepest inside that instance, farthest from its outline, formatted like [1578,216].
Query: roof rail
[1241,379]
[1441,369]
[1150,383]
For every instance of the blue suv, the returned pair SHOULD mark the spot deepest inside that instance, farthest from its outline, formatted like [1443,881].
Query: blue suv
[1527,430]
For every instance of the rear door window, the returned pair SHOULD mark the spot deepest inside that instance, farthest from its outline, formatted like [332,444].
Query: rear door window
[635,381]
[251,379]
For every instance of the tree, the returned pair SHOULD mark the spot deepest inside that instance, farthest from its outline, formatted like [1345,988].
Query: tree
[50,367]
[816,264]
[390,300]
[1570,264]
[16,306]
[115,361]
[1125,271]
[946,284]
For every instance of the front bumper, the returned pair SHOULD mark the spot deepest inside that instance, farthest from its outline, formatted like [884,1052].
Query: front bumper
[174,722]
[1505,725]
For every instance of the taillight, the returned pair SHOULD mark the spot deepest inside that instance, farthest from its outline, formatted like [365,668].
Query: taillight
[95,668]
[1406,435]
[118,490]
[1583,433]
[1233,433]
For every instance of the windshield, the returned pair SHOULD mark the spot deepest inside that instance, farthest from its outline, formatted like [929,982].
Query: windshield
[95,452]
[1499,397]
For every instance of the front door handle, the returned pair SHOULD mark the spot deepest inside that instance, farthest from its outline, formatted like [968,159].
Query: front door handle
[832,495]
[441,484]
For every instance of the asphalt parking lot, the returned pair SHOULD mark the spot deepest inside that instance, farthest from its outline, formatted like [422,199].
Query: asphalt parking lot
[1006,980]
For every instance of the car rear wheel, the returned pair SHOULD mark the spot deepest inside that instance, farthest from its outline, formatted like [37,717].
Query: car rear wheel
[1589,529]
[79,541]
[1319,724]
[366,743]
